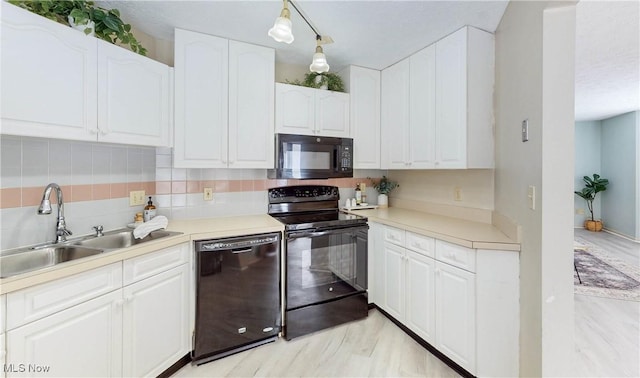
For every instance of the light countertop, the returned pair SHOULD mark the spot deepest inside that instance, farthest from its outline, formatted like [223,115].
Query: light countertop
[196,229]
[458,231]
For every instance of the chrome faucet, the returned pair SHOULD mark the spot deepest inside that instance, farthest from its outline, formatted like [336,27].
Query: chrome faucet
[45,208]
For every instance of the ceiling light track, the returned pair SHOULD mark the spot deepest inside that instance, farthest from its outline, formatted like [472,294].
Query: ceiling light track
[282,32]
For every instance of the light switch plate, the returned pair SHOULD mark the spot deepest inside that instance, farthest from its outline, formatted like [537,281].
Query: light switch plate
[531,196]
[136,197]
[525,130]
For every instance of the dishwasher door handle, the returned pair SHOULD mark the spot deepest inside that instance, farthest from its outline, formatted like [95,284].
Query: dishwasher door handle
[242,251]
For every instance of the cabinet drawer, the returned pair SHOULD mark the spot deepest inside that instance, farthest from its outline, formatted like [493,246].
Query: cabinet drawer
[456,255]
[424,245]
[394,235]
[153,263]
[36,302]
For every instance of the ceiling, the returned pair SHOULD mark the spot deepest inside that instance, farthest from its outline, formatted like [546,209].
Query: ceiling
[607,58]
[376,34]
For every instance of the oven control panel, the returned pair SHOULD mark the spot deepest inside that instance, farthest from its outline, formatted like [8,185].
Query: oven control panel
[303,192]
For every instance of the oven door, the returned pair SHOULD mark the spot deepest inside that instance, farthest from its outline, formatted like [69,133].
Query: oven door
[325,265]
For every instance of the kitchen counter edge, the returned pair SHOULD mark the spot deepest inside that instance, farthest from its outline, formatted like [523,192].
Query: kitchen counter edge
[196,229]
[462,232]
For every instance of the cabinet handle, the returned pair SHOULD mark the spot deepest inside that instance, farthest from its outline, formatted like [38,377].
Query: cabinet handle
[93,131]
[119,302]
[129,298]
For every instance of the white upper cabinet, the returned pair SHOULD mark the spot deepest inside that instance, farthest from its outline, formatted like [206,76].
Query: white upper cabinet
[49,78]
[438,105]
[295,109]
[133,100]
[332,113]
[59,83]
[201,100]
[223,103]
[464,100]
[251,105]
[363,86]
[395,116]
[310,111]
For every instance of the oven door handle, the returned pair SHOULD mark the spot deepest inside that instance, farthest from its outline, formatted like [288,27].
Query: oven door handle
[333,231]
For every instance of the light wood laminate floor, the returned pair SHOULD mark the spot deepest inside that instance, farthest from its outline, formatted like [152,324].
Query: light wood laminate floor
[607,331]
[372,347]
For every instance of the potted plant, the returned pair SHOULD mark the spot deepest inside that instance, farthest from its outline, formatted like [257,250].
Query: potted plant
[105,24]
[384,186]
[325,80]
[591,188]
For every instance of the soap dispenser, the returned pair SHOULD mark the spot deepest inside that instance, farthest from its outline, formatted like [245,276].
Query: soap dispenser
[149,211]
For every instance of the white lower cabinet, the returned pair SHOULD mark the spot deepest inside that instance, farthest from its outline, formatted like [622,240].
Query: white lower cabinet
[138,330]
[408,285]
[156,325]
[84,340]
[455,314]
[462,301]
[394,281]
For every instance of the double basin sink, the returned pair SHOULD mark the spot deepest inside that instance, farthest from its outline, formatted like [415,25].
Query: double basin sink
[29,259]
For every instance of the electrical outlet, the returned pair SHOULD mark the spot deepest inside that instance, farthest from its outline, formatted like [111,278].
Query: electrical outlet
[457,194]
[580,211]
[136,197]
[208,194]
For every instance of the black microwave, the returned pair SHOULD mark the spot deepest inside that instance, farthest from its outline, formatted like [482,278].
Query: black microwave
[312,157]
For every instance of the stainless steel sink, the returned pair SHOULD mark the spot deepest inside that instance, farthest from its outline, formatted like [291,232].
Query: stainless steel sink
[27,259]
[30,260]
[122,239]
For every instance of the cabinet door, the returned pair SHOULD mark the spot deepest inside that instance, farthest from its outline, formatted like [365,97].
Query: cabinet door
[456,314]
[395,116]
[332,114]
[156,325]
[49,74]
[82,341]
[251,102]
[3,355]
[375,261]
[133,98]
[451,101]
[422,108]
[295,109]
[394,281]
[364,94]
[420,296]
[201,100]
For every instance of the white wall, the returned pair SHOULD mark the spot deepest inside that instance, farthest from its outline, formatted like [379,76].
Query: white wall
[619,165]
[437,186]
[534,81]
[587,158]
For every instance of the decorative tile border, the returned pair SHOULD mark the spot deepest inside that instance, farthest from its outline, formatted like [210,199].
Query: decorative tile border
[227,186]
[31,196]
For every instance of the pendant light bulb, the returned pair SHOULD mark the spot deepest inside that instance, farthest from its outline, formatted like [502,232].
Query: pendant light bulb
[319,63]
[281,30]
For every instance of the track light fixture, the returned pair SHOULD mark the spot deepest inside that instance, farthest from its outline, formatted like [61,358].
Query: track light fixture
[319,63]
[281,32]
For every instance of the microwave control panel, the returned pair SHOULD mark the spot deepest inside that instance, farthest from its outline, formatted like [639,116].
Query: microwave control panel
[345,159]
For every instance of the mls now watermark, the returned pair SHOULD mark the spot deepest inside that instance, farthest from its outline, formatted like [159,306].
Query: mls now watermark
[26,368]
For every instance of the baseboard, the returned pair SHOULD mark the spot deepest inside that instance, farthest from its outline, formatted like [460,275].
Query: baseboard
[177,366]
[449,362]
[621,235]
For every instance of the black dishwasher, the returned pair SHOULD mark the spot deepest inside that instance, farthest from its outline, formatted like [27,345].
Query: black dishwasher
[238,294]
